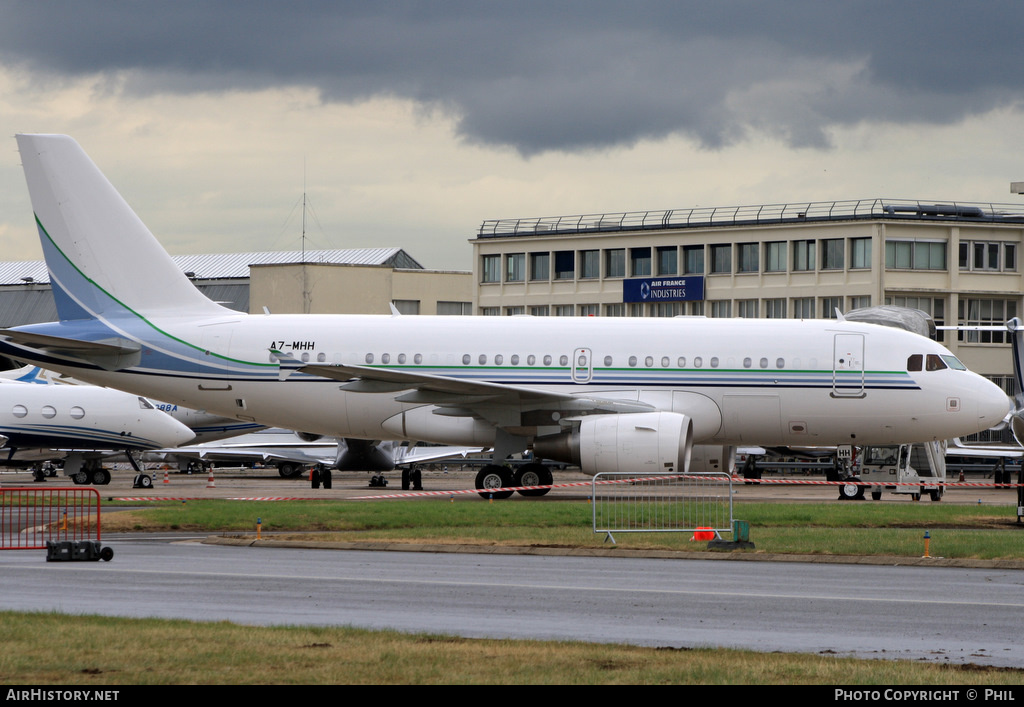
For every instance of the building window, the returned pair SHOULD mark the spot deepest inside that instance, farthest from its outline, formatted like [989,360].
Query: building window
[975,311]
[935,307]
[775,256]
[721,258]
[515,267]
[832,254]
[668,260]
[407,306]
[615,262]
[490,311]
[860,253]
[565,265]
[455,308]
[693,260]
[615,310]
[539,310]
[775,308]
[721,308]
[540,266]
[563,310]
[915,255]
[747,308]
[590,264]
[640,262]
[829,305]
[988,255]
[747,260]
[666,309]
[636,309]
[515,311]
[590,310]
[803,308]
[860,302]
[490,266]
[803,255]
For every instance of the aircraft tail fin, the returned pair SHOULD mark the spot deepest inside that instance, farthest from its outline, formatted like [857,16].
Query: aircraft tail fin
[103,261]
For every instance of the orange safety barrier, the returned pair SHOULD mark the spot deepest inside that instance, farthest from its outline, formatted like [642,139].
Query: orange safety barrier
[31,517]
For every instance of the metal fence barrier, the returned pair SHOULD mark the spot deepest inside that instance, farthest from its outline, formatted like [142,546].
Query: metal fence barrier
[31,517]
[663,503]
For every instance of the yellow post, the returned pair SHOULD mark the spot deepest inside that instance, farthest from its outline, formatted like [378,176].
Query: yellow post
[927,539]
[259,525]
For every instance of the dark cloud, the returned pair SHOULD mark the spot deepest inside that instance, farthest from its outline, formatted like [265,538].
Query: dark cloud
[558,76]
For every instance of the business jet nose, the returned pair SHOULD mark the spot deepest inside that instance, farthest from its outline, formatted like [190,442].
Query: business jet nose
[172,433]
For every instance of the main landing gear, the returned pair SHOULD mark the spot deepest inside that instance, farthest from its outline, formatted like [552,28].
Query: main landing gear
[494,476]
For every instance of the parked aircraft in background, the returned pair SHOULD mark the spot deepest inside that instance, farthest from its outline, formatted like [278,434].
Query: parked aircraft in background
[79,424]
[604,393]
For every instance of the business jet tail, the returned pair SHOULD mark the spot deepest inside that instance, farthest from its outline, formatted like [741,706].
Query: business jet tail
[103,261]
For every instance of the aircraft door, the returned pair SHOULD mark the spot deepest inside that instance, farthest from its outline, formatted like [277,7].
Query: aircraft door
[848,366]
[582,366]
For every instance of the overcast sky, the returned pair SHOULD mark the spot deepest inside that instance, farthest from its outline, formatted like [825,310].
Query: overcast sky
[409,123]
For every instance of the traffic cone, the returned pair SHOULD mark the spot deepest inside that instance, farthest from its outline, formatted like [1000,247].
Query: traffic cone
[209,480]
[166,479]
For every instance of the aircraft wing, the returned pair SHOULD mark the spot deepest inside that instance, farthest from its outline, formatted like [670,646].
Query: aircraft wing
[470,394]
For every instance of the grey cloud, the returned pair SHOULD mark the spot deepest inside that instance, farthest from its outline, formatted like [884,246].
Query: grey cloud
[541,76]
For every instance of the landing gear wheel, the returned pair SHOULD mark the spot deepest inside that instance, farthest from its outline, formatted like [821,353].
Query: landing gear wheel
[493,476]
[145,481]
[915,497]
[936,495]
[325,477]
[405,479]
[289,470]
[81,478]
[100,477]
[851,491]
[314,477]
[532,475]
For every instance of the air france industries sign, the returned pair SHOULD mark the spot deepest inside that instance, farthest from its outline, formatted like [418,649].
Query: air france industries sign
[663,289]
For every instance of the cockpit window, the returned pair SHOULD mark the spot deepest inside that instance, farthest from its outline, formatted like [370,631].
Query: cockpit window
[953,362]
[915,362]
[935,363]
[145,404]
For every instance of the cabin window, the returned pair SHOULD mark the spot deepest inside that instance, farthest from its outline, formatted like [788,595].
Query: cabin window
[530,360]
[305,356]
[607,360]
[698,361]
[632,360]
[482,359]
[763,363]
[780,363]
[547,360]
[321,357]
[466,359]
[714,361]
[665,362]
[369,358]
[49,411]
[20,411]
[498,359]
[649,361]
[681,362]
[563,360]
[515,359]
[915,362]
[417,359]
[77,413]
[748,362]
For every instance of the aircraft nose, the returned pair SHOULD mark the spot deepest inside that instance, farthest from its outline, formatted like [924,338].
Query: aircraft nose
[993,403]
[173,433]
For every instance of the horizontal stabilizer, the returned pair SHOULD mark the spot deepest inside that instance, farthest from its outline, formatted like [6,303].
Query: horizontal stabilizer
[110,355]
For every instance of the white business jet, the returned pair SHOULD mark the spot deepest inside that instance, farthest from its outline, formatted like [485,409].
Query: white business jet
[78,424]
[604,393]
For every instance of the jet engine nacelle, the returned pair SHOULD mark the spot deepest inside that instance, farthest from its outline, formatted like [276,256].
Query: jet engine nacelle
[363,455]
[308,436]
[644,443]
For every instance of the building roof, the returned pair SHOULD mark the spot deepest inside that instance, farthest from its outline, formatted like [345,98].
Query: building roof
[757,215]
[221,266]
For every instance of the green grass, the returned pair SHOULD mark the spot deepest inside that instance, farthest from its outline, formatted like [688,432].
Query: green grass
[55,649]
[957,531]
